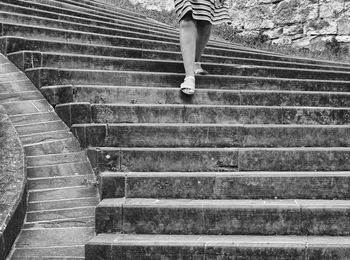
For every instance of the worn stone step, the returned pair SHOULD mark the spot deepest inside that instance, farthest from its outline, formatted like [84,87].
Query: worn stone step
[45,136]
[57,214]
[93,20]
[38,128]
[206,135]
[41,117]
[46,171]
[42,252]
[223,217]
[125,38]
[63,204]
[20,96]
[76,18]
[58,237]
[15,44]
[40,32]
[230,185]
[156,247]
[16,85]
[50,76]
[105,6]
[27,107]
[12,76]
[158,95]
[74,113]
[48,258]
[70,145]
[54,159]
[62,193]
[72,5]
[35,59]
[7,17]
[59,8]
[219,159]
[8,70]
[59,181]
[74,222]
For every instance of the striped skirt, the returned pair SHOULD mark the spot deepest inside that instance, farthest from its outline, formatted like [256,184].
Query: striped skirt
[203,10]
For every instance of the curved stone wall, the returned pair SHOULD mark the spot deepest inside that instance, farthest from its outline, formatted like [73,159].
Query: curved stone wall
[13,199]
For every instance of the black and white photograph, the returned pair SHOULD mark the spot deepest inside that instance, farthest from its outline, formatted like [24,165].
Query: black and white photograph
[174,129]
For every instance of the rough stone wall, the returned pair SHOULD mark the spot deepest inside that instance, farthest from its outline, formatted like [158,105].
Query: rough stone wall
[302,23]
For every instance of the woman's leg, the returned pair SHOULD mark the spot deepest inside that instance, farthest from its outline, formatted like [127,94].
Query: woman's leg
[188,35]
[203,35]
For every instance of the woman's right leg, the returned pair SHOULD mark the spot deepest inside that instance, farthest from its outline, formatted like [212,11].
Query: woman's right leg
[204,31]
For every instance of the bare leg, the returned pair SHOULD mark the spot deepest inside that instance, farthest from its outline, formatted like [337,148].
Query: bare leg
[203,35]
[188,35]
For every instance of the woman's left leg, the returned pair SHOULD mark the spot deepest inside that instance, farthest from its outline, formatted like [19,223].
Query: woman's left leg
[203,35]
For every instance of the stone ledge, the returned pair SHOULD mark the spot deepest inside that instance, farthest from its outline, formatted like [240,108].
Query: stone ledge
[13,202]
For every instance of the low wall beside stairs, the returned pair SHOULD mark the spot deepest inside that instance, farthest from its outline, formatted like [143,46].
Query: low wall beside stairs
[13,194]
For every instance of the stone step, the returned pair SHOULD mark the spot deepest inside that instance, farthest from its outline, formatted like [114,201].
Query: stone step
[58,237]
[15,44]
[219,159]
[23,30]
[157,95]
[48,258]
[27,107]
[8,70]
[16,85]
[14,18]
[225,186]
[63,204]
[59,214]
[76,192]
[29,59]
[43,252]
[19,96]
[69,61]
[75,17]
[70,145]
[80,113]
[38,128]
[107,7]
[72,5]
[34,118]
[155,247]
[27,26]
[45,136]
[57,170]
[54,159]
[74,222]
[206,135]
[40,32]
[127,32]
[59,181]
[42,77]
[223,217]
[59,8]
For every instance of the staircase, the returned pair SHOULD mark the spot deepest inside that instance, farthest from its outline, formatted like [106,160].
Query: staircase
[254,166]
